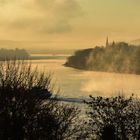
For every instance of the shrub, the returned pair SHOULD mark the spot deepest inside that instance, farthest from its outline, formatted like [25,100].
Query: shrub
[117,117]
[27,108]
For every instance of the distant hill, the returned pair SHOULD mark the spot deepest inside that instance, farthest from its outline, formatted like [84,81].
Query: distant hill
[116,57]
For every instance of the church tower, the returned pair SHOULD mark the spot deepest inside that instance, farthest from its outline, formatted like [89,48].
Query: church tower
[107,42]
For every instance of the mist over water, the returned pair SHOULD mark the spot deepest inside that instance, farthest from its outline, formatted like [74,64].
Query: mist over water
[75,83]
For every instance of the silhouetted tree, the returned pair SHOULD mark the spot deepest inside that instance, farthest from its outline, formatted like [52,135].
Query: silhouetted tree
[29,111]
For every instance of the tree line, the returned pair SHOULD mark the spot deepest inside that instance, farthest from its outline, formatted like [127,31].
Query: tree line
[116,57]
[10,54]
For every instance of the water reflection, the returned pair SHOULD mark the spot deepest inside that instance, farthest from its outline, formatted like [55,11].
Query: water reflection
[78,83]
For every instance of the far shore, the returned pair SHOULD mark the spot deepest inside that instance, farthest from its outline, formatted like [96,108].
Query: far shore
[40,57]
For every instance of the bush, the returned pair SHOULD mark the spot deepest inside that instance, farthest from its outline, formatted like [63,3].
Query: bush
[27,108]
[114,118]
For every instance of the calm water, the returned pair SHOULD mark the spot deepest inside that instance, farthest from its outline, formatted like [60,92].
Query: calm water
[75,83]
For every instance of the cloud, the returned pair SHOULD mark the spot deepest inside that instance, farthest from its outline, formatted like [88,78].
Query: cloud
[59,26]
[44,16]
[3,1]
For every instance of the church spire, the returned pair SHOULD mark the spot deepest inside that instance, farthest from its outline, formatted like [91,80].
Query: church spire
[107,42]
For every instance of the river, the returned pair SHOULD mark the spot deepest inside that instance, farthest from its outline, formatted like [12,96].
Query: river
[75,83]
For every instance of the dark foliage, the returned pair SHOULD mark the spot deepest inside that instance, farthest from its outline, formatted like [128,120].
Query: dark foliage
[116,57]
[108,133]
[27,109]
[115,118]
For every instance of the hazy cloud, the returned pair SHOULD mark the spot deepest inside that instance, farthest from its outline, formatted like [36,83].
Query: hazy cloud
[45,16]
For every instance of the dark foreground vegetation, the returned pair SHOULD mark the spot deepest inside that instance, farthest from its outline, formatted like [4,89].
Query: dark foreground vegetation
[27,109]
[9,54]
[116,57]
[30,111]
[115,118]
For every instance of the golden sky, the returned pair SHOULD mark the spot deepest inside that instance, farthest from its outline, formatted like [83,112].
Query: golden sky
[70,23]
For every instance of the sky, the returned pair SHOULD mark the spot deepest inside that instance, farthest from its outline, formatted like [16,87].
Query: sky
[70,23]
